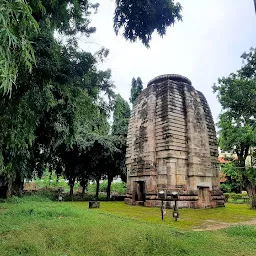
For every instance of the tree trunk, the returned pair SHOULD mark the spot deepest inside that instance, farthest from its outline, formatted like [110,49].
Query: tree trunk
[251,190]
[97,187]
[110,179]
[71,191]
[83,191]
[9,189]
[83,184]
[17,186]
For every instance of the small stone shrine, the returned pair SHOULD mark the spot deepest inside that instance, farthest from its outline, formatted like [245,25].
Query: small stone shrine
[172,146]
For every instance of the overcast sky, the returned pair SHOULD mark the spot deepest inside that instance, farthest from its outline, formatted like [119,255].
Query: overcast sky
[206,45]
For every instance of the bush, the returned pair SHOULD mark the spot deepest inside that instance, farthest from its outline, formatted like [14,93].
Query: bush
[235,196]
[117,187]
[87,197]
[225,188]
[52,181]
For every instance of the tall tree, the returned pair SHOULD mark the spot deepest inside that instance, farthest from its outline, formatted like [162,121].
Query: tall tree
[54,106]
[139,85]
[136,89]
[237,95]
[121,117]
[116,165]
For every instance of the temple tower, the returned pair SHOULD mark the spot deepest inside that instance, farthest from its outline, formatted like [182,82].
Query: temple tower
[172,146]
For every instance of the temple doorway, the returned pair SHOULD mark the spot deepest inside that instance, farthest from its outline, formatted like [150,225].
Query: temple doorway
[204,197]
[139,191]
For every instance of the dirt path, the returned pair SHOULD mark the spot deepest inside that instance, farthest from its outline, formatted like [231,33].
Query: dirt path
[216,225]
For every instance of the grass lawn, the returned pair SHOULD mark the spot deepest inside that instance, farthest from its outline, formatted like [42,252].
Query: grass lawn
[37,226]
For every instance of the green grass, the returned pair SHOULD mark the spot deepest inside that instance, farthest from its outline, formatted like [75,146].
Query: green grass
[189,218]
[38,226]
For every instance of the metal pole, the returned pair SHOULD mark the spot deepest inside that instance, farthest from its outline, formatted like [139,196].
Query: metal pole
[162,210]
[175,209]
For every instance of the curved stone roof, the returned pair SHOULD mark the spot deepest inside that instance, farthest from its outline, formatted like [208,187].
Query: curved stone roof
[173,77]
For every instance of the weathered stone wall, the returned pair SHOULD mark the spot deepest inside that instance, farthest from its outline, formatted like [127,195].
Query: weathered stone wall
[172,146]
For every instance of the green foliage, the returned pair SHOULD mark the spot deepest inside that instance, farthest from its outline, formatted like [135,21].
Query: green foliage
[119,188]
[116,187]
[17,28]
[57,109]
[226,188]
[20,21]
[229,169]
[237,132]
[52,181]
[249,67]
[235,196]
[233,182]
[88,196]
[39,197]
[136,89]
[66,16]
[237,95]
[120,117]
[139,19]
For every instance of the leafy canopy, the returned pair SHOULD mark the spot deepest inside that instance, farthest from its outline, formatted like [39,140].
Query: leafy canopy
[237,122]
[17,26]
[20,21]
[139,19]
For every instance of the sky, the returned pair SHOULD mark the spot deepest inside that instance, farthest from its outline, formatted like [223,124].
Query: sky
[205,46]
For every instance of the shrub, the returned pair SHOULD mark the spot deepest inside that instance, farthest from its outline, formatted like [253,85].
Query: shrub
[225,188]
[87,197]
[117,187]
[235,196]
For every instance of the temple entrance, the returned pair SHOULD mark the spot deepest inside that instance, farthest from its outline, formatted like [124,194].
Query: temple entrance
[139,191]
[204,197]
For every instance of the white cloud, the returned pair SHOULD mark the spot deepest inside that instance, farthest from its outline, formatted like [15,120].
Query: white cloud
[206,45]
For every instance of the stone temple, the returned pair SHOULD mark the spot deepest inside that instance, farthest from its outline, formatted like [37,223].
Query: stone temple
[172,146]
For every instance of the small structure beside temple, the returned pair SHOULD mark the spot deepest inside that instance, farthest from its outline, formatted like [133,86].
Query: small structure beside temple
[172,146]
